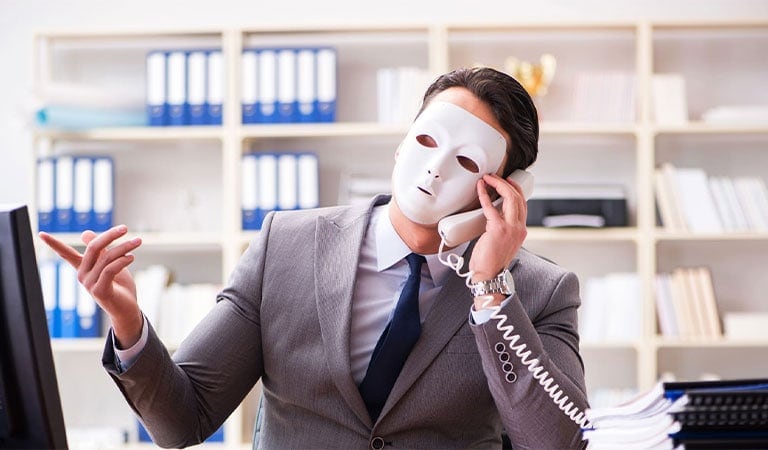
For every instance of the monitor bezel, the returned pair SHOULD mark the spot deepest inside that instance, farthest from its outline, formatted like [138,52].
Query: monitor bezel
[33,405]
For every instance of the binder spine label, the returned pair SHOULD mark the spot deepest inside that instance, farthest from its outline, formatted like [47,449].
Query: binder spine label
[157,105]
[286,86]
[308,175]
[215,88]
[88,315]
[267,111]
[103,193]
[326,84]
[306,88]
[177,88]
[196,74]
[287,182]
[267,186]
[46,182]
[249,191]
[249,86]
[64,194]
[68,300]
[83,194]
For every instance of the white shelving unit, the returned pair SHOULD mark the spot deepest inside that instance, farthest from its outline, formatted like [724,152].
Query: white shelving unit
[178,187]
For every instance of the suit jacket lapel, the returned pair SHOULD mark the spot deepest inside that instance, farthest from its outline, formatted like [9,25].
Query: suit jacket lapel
[337,250]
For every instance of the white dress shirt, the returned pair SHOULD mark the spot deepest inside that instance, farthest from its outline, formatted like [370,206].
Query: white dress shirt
[381,275]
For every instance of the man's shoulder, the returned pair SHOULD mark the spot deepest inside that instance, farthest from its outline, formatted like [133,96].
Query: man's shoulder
[532,265]
[310,215]
[340,216]
[538,278]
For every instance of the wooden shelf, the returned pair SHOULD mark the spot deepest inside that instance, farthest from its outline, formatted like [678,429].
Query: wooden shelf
[582,234]
[62,345]
[72,345]
[709,128]
[136,134]
[158,240]
[711,343]
[661,235]
[576,128]
[344,129]
[598,346]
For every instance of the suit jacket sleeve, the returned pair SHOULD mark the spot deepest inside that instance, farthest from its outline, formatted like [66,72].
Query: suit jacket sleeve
[184,399]
[531,418]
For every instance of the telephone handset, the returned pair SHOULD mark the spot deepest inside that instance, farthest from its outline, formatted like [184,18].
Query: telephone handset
[462,227]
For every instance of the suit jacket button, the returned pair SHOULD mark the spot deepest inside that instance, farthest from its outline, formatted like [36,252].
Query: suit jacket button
[377,443]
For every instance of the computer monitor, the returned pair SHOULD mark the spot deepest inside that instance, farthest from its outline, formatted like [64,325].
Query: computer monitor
[30,407]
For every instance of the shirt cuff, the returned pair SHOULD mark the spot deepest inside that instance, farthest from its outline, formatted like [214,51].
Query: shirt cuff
[126,358]
[482,316]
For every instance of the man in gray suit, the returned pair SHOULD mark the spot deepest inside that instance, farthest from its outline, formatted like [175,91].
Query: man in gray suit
[309,306]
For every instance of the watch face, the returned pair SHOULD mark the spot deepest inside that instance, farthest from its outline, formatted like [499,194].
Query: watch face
[508,281]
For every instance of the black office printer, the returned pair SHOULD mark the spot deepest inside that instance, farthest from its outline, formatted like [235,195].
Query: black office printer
[577,205]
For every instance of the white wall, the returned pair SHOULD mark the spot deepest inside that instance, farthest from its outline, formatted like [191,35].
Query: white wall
[19,19]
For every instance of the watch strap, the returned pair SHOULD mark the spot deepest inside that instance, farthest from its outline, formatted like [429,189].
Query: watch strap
[500,284]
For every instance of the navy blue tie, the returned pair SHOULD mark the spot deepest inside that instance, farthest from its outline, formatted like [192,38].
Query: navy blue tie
[395,342]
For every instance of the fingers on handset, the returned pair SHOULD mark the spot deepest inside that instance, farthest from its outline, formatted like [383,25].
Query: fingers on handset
[485,199]
[502,185]
[515,206]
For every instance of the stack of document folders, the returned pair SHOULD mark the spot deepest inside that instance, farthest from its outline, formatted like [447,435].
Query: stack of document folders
[727,414]
[288,85]
[277,182]
[278,85]
[185,87]
[69,308]
[75,193]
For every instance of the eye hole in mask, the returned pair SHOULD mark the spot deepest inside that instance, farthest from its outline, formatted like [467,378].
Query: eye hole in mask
[426,140]
[468,164]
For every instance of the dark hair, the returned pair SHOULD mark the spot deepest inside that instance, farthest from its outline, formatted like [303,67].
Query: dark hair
[510,103]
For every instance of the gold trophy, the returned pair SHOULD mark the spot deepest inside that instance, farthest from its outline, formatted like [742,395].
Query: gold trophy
[535,78]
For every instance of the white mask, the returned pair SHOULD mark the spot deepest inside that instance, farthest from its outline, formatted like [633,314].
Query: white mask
[440,160]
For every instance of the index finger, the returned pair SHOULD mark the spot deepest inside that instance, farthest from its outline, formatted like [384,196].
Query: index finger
[67,253]
[501,185]
[489,210]
[514,205]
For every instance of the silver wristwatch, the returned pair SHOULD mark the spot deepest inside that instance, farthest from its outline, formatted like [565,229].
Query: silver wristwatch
[502,284]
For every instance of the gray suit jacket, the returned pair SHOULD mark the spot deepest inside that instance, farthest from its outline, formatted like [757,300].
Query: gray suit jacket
[284,318]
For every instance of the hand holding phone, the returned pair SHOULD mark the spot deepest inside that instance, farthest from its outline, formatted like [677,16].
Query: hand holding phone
[462,227]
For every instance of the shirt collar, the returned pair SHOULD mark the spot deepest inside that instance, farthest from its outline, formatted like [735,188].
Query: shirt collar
[390,248]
